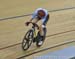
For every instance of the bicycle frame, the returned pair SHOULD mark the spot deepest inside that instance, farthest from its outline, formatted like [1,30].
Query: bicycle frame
[30,37]
[35,31]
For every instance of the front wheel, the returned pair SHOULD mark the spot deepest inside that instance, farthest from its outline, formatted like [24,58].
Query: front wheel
[27,40]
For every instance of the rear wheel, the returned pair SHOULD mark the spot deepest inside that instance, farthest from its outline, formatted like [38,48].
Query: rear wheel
[27,40]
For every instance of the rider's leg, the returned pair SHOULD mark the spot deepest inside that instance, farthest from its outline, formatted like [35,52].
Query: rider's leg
[43,30]
[41,34]
[43,27]
[44,33]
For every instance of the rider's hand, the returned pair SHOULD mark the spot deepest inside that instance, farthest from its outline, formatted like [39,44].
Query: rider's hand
[27,23]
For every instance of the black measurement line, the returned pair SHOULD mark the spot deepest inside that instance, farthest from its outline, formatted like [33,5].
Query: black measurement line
[12,17]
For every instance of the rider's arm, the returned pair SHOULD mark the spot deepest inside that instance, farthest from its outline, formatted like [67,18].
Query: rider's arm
[31,20]
[33,16]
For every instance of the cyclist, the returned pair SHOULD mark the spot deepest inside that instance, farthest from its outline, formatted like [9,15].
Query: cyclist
[40,14]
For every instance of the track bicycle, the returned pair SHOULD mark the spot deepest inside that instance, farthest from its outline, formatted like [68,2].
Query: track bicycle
[31,36]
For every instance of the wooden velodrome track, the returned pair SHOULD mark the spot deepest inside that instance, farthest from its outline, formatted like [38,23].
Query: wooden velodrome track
[60,28]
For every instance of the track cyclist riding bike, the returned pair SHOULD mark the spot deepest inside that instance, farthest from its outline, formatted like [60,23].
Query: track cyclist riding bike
[40,14]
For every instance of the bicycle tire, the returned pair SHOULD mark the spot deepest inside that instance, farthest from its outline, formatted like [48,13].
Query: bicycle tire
[27,39]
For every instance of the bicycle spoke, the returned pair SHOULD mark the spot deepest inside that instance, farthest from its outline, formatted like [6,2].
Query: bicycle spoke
[27,40]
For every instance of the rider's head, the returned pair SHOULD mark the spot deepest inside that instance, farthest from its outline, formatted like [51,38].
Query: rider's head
[41,13]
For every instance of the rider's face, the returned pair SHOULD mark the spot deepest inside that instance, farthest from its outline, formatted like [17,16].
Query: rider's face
[40,14]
